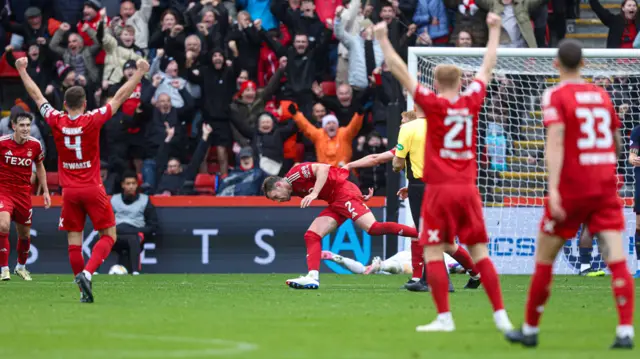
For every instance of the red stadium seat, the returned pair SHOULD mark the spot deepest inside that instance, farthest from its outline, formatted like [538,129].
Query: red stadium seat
[53,182]
[328,88]
[205,184]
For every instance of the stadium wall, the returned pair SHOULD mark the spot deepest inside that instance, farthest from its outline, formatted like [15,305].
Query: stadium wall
[212,235]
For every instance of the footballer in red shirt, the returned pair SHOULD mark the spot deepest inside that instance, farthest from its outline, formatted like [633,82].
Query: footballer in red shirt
[582,149]
[77,136]
[452,205]
[312,181]
[20,152]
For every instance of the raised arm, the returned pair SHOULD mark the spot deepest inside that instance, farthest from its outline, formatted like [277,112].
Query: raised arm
[127,89]
[31,87]
[394,62]
[491,55]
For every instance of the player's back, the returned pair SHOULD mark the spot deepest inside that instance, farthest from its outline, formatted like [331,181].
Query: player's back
[78,143]
[302,180]
[590,160]
[450,148]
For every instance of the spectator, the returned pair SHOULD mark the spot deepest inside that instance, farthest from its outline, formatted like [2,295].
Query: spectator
[160,115]
[350,20]
[249,104]
[35,31]
[93,15]
[464,39]
[623,27]
[40,67]
[431,18]
[517,30]
[344,105]
[259,9]
[245,180]
[362,50]
[497,139]
[218,83]
[118,53]
[160,35]
[139,20]
[244,41]
[166,68]
[333,143]
[136,221]
[471,19]
[170,172]
[208,16]
[372,177]
[268,60]
[76,54]
[319,111]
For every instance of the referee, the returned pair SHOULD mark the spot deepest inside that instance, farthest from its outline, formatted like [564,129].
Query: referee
[409,155]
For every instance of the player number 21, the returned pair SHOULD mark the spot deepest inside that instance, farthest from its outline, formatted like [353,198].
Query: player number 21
[459,123]
[596,128]
[76,145]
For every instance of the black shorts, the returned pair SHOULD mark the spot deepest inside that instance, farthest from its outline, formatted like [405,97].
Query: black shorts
[221,135]
[416,193]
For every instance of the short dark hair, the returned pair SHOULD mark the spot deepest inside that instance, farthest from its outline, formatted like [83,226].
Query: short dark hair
[570,53]
[22,116]
[129,174]
[269,184]
[75,97]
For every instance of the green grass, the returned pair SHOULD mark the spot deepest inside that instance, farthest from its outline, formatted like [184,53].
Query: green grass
[256,316]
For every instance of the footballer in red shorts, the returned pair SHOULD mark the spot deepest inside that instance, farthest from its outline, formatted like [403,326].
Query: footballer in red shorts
[77,136]
[582,150]
[20,152]
[312,181]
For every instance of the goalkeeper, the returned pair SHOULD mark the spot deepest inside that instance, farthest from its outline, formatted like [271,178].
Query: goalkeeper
[400,263]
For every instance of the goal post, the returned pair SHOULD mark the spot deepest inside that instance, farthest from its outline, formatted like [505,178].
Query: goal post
[512,175]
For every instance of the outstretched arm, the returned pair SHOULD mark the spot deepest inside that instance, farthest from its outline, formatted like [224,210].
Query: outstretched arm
[394,62]
[127,89]
[491,55]
[371,160]
[32,89]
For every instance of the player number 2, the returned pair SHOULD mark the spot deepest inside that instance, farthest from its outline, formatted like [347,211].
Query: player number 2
[596,127]
[459,123]
[75,146]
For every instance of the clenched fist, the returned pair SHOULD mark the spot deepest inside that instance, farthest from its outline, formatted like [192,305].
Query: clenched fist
[493,20]
[142,65]
[21,63]
[380,30]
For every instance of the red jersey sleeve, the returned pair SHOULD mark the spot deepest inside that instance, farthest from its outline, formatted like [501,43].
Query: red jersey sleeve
[38,151]
[49,114]
[475,93]
[101,115]
[393,151]
[425,98]
[551,107]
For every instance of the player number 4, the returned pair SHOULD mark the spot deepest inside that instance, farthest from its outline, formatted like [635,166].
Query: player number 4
[459,123]
[596,127]
[75,146]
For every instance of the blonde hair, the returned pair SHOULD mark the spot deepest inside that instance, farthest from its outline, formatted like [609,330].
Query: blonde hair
[409,115]
[448,76]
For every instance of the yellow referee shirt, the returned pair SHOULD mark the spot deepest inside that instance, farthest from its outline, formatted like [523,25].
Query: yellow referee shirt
[411,146]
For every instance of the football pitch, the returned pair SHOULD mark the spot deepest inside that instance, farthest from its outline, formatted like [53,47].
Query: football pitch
[257,316]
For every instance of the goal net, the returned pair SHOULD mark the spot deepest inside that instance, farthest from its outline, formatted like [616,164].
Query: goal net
[512,176]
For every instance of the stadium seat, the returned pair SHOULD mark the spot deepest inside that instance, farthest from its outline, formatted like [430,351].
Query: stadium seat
[53,182]
[328,88]
[205,184]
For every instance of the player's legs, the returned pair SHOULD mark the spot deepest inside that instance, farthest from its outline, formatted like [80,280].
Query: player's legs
[367,222]
[462,256]
[24,245]
[348,263]
[76,260]
[621,283]
[101,250]
[100,212]
[5,248]
[324,224]
[637,244]
[439,285]
[585,245]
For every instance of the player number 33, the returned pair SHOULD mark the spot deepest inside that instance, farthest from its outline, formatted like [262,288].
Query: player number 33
[596,128]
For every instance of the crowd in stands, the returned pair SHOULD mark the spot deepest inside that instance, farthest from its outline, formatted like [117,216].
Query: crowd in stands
[239,90]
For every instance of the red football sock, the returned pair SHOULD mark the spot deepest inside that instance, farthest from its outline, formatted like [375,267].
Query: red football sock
[5,249]
[623,291]
[463,257]
[439,284]
[491,283]
[539,292]
[417,262]
[76,259]
[24,244]
[382,228]
[314,250]
[99,253]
